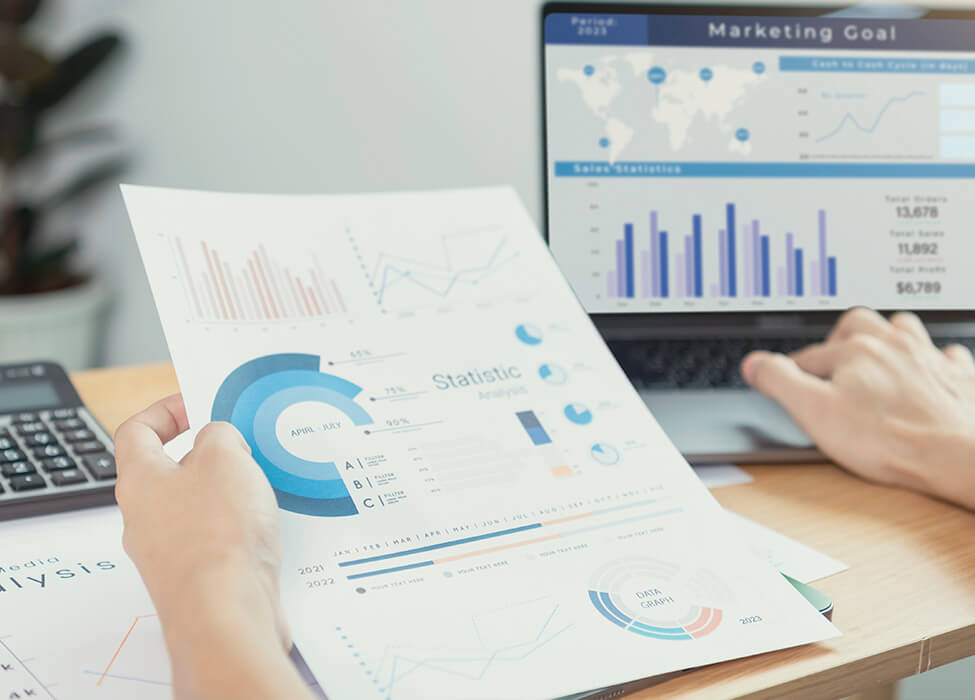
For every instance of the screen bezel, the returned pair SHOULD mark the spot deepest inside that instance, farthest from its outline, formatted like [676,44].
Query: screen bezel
[650,322]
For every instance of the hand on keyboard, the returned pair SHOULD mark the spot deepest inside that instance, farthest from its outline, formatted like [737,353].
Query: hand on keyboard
[879,398]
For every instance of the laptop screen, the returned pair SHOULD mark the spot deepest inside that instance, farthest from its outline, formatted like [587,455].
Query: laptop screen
[703,163]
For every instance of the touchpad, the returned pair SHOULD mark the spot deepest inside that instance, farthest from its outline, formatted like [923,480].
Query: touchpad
[724,422]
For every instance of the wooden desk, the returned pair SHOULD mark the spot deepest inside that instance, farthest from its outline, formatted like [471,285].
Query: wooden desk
[907,603]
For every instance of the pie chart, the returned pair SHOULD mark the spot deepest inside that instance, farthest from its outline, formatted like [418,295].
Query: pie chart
[604,453]
[254,396]
[528,334]
[578,414]
[553,374]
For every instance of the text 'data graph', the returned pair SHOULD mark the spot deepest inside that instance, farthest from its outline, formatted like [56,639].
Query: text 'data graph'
[257,288]
[656,264]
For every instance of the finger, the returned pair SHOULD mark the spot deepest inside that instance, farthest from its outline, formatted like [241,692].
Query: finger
[912,325]
[144,434]
[819,360]
[805,397]
[859,320]
[959,353]
[221,433]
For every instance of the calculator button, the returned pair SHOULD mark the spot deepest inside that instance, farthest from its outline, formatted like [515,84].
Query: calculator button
[69,424]
[62,413]
[11,456]
[101,466]
[55,464]
[79,436]
[27,482]
[84,448]
[39,439]
[6,443]
[25,418]
[28,428]
[16,468]
[48,451]
[68,477]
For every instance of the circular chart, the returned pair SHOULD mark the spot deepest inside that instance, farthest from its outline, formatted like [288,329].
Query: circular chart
[640,596]
[578,414]
[605,454]
[528,334]
[254,396]
[553,374]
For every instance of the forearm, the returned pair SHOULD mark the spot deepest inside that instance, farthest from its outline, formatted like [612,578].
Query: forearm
[223,643]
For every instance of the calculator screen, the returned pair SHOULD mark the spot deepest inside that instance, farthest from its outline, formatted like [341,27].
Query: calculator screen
[26,395]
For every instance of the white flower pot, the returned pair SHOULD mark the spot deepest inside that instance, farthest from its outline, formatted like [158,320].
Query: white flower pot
[64,326]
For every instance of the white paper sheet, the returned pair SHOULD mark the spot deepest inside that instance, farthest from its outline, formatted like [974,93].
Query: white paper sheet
[714,476]
[789,556]
[475,501]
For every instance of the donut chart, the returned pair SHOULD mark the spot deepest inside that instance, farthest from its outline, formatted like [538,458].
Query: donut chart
[254,395]
[633,595]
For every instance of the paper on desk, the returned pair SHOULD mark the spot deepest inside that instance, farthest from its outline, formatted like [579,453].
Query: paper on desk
[75,616]
[467,479]
[792,558]
[715,476]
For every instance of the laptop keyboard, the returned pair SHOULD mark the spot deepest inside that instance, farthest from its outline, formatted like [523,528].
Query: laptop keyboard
[705,363]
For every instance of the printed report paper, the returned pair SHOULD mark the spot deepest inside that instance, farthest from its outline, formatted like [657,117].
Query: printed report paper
[475,502]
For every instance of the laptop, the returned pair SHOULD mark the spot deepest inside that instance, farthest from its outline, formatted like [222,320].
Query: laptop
[722,179]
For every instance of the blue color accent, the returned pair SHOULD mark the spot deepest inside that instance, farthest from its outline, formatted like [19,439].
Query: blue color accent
[706,74]
[742,135]
[604,142]
[848,117]
[390,570]
[597,603]
[595,169]
[732,262]
[851,64]
[634,628]
[533,427]
[441,545]
[660,630]
[698,254]
[253,397]
[628,257]
[578,414]
[600,29]
[758,67]
[656,75]
[766,264]
[529,335]
[589,70]
[664,264]
[798,255]
[608,602]
[832,276]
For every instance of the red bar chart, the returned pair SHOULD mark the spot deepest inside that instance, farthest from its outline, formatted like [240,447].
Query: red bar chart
[256,288]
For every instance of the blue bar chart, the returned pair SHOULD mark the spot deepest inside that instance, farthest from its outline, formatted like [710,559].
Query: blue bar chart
[750,260]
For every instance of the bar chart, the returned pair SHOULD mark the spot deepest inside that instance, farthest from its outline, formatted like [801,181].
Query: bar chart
[257,288]
[670,263]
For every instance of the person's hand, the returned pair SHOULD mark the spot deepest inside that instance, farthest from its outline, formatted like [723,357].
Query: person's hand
[879,398]
[204,535]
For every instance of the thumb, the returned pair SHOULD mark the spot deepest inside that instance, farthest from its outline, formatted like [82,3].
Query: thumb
[807,398]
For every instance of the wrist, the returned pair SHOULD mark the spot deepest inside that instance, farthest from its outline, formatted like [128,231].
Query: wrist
[942,464]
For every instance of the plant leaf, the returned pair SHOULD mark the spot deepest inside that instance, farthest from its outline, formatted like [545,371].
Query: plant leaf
[103,172]
[18,11]
[73,69]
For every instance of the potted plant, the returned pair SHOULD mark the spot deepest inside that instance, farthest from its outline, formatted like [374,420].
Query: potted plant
[49,309]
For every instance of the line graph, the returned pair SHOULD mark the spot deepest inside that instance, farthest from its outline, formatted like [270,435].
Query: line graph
[850,118]
[397,664]
[121,645]
[465,259]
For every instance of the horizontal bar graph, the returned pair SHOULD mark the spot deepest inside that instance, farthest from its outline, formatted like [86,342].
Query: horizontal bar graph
[744,252]
[258,288]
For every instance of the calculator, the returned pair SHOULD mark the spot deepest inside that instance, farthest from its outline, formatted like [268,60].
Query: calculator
[54,455]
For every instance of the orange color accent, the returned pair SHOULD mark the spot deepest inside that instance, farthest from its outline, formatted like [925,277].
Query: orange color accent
[122,644]
[495,549]
[562,471]
[715,621]
[701,620]
[566,519]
